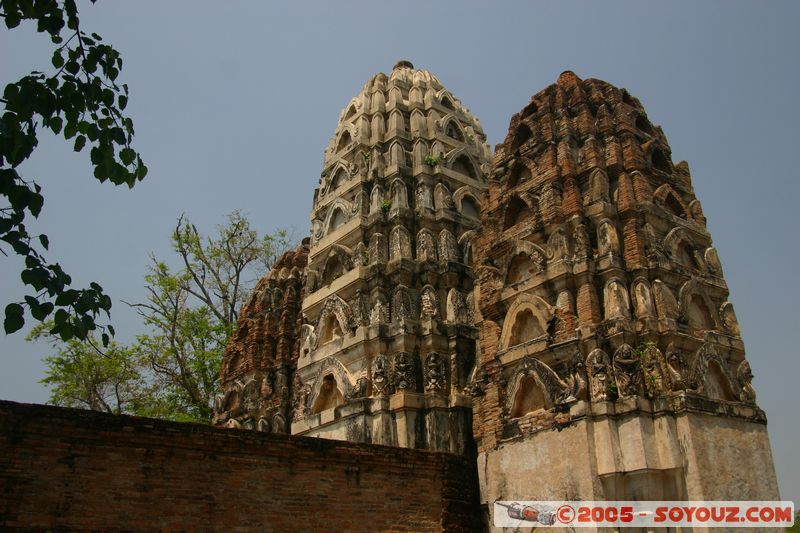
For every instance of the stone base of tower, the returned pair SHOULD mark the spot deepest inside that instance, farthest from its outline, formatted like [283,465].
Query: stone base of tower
[403,419]
[636,449]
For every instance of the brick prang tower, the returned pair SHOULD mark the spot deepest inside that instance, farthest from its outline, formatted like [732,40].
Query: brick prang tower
[610,364]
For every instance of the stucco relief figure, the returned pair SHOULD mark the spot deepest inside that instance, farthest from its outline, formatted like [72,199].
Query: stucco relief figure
[581,244]
[653,371]
[598,366]
[401,305]
[404,372]
[359,390]
[308,339]
[379,313]
[424,197]
[448,247]
[557,246]
[643,303]
[456,308]
[426,246]
[607,240]
[279,424]
[435,380]
[300,398]
[653,246]
[712,261]
[729,318]
[616,301]
[577,379]
[744,376]
[429,305]
[381,382]
[538,261]
[666,304]
[627,371]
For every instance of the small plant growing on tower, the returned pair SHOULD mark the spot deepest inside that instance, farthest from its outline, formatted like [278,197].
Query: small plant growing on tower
[366,156]
[613,391]
[432,160]
[385,206]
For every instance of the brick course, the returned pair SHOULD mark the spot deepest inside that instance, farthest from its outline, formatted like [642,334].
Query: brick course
[71,470]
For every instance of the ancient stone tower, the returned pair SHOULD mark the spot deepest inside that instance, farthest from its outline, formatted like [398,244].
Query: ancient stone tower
[610,362]
[388,343]
[593,354]
[261,357]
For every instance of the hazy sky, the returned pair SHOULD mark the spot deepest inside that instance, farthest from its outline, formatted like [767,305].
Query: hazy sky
[234,102]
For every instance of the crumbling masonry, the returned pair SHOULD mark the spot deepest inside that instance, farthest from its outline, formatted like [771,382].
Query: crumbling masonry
[560,308]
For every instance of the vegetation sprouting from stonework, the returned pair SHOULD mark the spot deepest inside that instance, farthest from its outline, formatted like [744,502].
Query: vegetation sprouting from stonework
[172,371]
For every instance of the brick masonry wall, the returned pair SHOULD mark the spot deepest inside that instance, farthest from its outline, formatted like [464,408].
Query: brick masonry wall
[71,470]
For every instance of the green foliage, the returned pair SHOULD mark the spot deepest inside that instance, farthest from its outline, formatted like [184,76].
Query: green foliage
[80,99]
[613,391]
[172,371]
[82,376]
[385,206]
[432,160]
[795,528]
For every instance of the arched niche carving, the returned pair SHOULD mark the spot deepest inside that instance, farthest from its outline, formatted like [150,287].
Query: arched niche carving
[711,376]
[429,303]
[518,211]
[340,310]
[696,308]
[520,172]
[607,238]
[666,304]
[426,246]
[331,385]
[376,198]
[465,245]
[521,136]
[337,215]
[452,128]
[529,258]
[402,306]
[642,299]
[598,187]
[345,140]
[683,249]
[666,198]
[615,297]
[442,199]
[399,244]
[448,247]
[534,311]
[399,194]
[533,386]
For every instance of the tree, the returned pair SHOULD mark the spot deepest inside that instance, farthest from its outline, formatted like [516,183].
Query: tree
[82,101]
[173,370]
[82,376]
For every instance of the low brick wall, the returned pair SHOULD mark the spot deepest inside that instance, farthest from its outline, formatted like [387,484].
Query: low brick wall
[73,470]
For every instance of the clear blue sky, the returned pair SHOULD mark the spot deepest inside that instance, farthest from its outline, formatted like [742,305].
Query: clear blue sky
[234,103]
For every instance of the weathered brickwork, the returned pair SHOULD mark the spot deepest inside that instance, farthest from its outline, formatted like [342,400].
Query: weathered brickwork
[261,357]
[602,307]
[70,470]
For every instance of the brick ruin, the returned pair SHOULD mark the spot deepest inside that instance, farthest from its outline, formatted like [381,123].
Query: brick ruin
[559,307]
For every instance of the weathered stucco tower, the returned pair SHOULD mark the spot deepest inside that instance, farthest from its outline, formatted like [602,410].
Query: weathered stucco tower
[593,355]
[610,365]
[388,343]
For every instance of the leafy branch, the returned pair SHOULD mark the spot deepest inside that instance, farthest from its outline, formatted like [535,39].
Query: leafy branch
[80,100]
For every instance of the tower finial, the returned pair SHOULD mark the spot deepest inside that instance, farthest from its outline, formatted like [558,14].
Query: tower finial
[403,63]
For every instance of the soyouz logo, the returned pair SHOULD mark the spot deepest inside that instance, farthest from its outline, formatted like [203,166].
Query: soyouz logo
[519,513]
